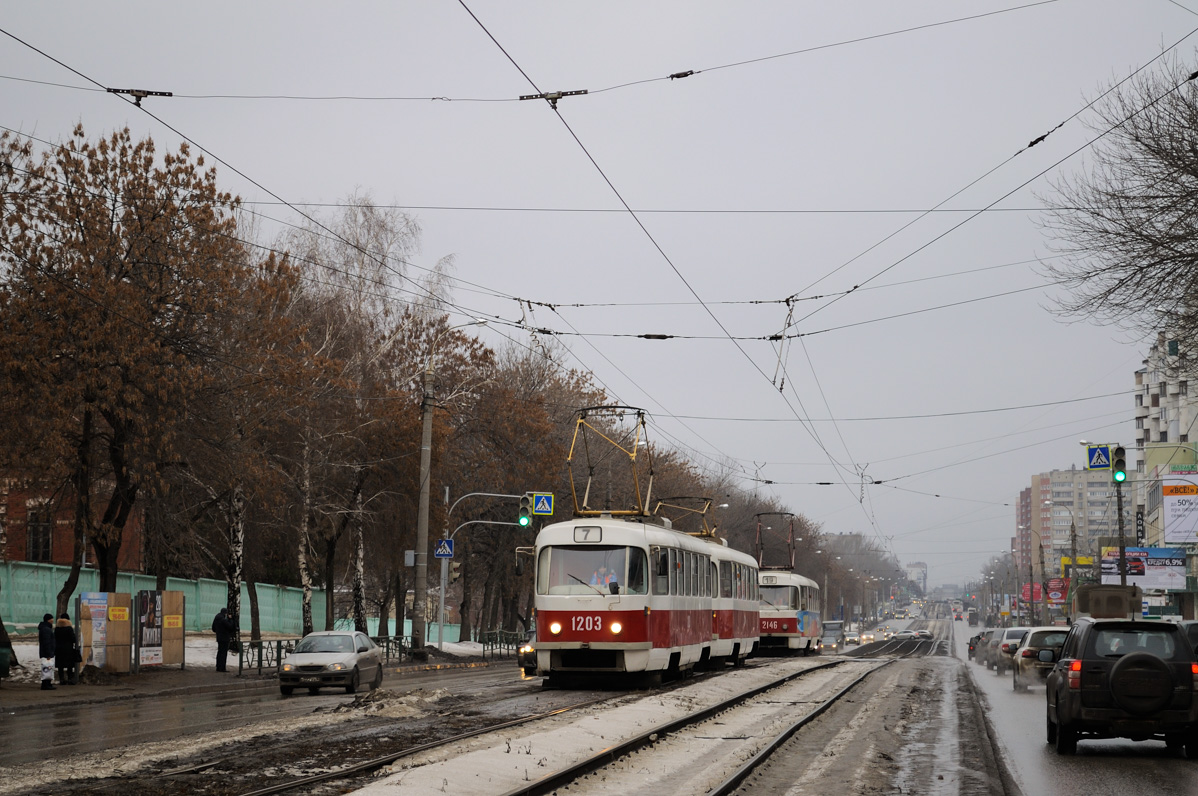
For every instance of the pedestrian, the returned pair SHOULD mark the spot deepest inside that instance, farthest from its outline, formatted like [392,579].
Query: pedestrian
[224,626]
[45,651]
[66,654]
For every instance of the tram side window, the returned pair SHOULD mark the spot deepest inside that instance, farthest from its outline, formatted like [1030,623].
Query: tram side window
[661,570]
[692,574]
[738,582]
[674,566]
[713,579]
[725,579]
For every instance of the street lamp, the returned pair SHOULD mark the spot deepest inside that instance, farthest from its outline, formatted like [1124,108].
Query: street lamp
[426,456]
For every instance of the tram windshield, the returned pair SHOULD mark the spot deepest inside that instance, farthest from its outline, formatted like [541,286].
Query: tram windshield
[602,569]
[780,596]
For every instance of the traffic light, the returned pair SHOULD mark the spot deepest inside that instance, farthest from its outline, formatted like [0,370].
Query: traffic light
[455,571]
[1119,464]
[525,518]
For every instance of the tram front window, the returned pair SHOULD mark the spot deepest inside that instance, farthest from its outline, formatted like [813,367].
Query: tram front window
[590,570]
[779,597]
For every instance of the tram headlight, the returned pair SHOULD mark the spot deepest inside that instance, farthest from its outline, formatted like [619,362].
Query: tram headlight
[555,628]
[616,627]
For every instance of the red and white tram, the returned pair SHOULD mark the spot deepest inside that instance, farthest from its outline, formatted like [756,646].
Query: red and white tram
[734,610]
[790,618]
[617,595]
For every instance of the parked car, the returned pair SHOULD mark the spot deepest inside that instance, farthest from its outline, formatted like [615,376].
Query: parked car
[526,656]
[974,641]
[1116,678]
[1008,641]
[340,658]
[1026,667]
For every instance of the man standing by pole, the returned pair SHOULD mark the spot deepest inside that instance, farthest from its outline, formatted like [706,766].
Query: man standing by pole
[224,627]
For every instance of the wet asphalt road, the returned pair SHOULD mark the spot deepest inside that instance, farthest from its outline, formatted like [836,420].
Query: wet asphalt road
[1100,767]
[77,729]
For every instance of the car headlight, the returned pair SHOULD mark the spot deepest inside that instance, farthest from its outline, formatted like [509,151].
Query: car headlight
[525,649]
[289,667]
[337,667]
[555,628]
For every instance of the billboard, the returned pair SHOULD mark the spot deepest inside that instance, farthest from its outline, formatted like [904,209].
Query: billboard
[1147,567]
[1179,508]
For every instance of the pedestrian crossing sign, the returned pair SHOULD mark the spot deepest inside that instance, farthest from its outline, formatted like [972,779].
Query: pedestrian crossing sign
[444,549]
[542,503]
[1098,457]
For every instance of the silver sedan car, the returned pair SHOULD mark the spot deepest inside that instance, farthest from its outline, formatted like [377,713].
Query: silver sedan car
[332,658]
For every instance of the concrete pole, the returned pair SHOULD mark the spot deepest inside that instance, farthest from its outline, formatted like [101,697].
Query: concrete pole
[419,609]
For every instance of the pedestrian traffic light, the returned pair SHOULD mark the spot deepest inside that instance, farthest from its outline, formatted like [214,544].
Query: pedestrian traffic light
[525,518]
[455,571]
[1119,464]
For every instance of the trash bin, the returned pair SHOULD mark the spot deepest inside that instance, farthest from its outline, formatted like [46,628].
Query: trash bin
[3,662]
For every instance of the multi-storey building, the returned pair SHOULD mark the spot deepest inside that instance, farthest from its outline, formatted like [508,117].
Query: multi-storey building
[1165,411]
[1060,506]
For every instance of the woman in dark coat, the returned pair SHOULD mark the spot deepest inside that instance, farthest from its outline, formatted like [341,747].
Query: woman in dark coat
[64,647]
[45,651]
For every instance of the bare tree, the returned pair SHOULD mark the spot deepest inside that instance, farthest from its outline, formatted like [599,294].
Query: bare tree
[1126,228]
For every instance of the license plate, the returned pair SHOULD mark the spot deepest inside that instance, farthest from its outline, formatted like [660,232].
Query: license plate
[309,679]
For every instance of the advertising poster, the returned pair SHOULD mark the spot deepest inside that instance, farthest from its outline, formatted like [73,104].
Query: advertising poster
[149,639]
[1058,590]
[1147,567]
[1179,507]
[94,606]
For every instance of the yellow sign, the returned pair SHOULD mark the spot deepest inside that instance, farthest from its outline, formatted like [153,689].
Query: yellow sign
[118,614]
[172,621]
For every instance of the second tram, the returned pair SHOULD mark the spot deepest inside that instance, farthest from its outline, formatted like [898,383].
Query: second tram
[789,613]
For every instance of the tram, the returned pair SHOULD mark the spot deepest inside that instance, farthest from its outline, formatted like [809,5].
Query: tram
[630,594]
[789,614]
[734,609]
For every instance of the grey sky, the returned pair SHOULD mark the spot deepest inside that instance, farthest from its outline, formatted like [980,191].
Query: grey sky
[892,123]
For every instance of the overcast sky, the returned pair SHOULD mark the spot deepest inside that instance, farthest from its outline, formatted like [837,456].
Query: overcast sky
[788,164]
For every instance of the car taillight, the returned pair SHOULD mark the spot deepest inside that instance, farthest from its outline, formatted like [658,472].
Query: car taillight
[1075,674]
[1027,653]
[1194,676]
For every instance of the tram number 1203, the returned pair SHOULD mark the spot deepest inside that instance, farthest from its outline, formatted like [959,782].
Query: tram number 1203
[586,623]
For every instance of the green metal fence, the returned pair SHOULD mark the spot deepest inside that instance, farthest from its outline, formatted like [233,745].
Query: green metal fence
[27,591]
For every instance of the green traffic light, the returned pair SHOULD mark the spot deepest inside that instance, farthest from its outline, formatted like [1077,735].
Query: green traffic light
[1120,476]
[525,520]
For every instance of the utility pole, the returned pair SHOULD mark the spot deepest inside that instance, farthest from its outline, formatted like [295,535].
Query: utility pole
[1122,538]
[1043,585]
[426,457]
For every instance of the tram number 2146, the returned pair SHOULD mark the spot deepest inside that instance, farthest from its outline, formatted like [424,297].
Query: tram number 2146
[586,622]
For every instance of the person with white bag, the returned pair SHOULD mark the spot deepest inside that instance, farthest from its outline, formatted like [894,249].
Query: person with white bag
[45,651]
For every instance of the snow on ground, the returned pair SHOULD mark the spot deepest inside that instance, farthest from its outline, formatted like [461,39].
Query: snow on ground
[500,762]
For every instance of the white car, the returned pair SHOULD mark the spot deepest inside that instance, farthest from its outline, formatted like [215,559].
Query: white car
[332,658]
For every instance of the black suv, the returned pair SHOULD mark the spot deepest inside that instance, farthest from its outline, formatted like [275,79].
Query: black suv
[1123,679]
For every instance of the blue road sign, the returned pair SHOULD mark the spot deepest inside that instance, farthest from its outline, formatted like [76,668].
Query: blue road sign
[542,503]
[1098,457]
[444,549]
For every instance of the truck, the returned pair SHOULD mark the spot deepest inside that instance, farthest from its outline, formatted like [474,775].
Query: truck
[971,615]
